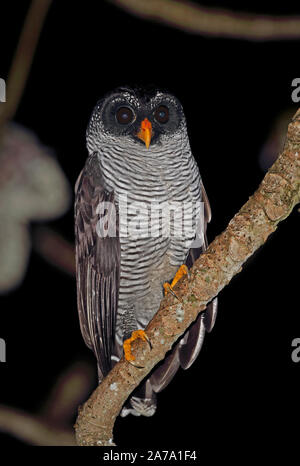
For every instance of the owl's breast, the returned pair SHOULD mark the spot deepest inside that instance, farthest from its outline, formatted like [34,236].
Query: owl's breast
[157,203]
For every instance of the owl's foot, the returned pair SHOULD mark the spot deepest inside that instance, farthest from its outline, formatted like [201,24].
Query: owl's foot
[183,270]
[127,345]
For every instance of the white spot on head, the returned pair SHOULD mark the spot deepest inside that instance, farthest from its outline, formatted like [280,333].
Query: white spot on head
[113,386]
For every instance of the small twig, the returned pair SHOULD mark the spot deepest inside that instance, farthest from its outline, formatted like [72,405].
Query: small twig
[55,249]
[72,386]
[33,429]
[214,22]
[52,425]
[273,201]
[23,58]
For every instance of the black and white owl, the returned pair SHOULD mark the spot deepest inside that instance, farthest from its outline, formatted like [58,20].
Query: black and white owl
[139,158]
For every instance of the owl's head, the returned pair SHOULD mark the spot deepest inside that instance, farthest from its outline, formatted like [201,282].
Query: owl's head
[144,117]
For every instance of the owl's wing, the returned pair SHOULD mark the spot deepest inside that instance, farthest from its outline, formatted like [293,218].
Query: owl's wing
[187,349]
[97,262]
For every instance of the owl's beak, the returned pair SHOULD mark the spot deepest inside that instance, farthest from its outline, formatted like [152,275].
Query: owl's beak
[145,132]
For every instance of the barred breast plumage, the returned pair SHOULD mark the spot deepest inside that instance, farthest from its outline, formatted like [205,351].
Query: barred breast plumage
[164,175]
[120,278]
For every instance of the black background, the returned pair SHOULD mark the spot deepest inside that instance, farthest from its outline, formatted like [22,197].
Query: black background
[243,391]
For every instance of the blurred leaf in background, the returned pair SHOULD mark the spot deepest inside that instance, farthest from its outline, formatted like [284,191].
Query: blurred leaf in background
[32,188]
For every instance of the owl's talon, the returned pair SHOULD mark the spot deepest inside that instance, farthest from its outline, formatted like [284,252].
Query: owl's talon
[127,346]
[183,270]
[168,289]
[135,365]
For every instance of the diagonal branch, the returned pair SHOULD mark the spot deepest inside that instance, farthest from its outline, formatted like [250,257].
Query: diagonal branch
[213,21]
[273,201]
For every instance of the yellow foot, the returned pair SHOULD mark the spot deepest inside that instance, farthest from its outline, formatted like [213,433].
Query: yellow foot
[127,343]
[183,270]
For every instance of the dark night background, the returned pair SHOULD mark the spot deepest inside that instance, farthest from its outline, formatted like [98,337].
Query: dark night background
[243,390]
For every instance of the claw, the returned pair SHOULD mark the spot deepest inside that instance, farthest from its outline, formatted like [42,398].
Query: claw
[127,345]
[183,270]
[168,289]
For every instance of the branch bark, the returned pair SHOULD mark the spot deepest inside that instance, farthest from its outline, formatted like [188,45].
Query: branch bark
[273,201]
[214,22]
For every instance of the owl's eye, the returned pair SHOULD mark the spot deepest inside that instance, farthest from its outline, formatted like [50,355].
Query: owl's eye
[162,114]
[124,115]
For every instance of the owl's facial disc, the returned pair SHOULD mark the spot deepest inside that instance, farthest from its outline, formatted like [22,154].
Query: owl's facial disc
[144,119]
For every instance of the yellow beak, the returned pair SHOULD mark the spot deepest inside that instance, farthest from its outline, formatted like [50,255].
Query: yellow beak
[145,132]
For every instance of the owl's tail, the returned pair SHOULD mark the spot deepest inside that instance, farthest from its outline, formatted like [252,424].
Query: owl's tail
[142,402]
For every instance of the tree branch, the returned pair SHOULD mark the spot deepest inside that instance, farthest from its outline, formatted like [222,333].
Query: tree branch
[273,201]
[214,22]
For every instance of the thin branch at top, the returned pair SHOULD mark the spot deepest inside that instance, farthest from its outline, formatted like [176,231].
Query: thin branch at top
[214,22]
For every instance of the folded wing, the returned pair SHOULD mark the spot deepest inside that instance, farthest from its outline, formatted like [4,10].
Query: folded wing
[97,262]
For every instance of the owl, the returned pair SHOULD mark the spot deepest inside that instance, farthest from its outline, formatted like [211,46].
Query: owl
[141,212]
